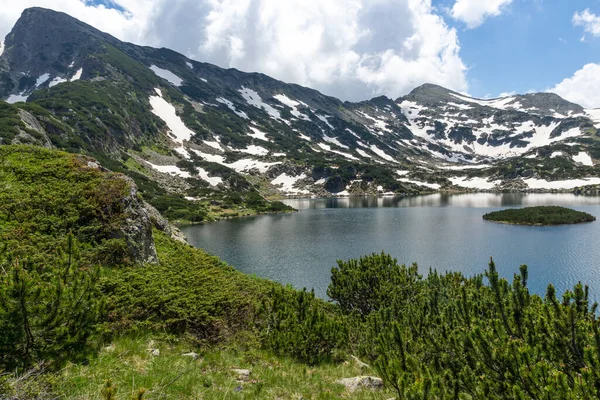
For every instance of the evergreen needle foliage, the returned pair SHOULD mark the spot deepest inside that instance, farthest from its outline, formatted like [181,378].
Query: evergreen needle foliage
[542,215]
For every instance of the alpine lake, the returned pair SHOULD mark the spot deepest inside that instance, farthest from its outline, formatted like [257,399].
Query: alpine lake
[440,231]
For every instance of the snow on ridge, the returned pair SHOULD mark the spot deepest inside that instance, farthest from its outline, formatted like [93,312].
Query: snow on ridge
[293,104]
[584,158]
[1,47]
[167,75]
[230,105]
[501,103]
[166,111]
[594,115]
[557,154]
[287,183]
[254,99]
[189,65]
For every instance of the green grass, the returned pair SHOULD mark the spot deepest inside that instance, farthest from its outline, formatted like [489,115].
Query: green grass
[130,366]
[542,215]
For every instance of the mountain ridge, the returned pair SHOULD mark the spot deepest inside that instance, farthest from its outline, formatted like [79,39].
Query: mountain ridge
[196,128]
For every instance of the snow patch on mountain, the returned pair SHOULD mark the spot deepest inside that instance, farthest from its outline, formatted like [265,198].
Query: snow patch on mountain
[56,81]
[167,75]
[293,104]
[189,65]
[258,134]
[584,158]
[230,105]
[381,153]
[363,153]
[42,79]
[328,148]
[212,180]
[594,115]
[243,165]
[1,47]
[214,145]
[325,119]
[165,111]
[434,186]
[77,75]
[254,99]
[171,170]
[534,183]
[474,183]
[335,141]
[287,183]
[255,150]
[15,98]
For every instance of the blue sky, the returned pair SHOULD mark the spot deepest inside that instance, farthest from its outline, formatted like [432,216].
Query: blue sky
[533,45]
[359,49]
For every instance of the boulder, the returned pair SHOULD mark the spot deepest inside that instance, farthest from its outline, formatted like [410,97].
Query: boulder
[241,374]
[361,382]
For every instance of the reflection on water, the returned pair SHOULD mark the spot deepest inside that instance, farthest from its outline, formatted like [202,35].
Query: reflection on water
[440,231]
[479,200]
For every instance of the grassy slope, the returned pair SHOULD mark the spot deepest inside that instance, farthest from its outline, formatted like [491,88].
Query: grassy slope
[130,366]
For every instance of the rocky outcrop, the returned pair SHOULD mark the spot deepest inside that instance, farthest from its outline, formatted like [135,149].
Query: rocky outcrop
[163,224]
[137,227]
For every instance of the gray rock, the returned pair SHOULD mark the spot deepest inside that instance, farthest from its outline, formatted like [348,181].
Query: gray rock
[162,224]
[137,227]
[361,382]
[241,374]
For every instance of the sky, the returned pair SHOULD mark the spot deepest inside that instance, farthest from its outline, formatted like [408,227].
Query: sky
[359,49]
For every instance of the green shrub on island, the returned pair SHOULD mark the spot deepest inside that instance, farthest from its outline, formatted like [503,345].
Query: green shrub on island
[541,215]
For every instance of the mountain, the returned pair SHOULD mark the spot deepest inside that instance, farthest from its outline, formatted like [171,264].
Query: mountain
[206,142]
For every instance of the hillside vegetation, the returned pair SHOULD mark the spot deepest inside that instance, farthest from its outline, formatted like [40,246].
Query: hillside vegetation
[84,315]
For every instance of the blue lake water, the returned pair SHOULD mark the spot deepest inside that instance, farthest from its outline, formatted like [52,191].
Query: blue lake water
[445,232]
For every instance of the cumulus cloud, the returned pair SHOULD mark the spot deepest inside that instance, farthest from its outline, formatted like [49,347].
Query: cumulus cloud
[583,88]
[353,49]
[589,21]
[474,12]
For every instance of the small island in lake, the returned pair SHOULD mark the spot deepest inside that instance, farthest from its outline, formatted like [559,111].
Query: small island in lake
[541,215]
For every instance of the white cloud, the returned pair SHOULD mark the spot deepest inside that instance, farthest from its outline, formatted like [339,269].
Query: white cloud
[589,21]
[474,12]
[353,49]
[507,94]
[583,88]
